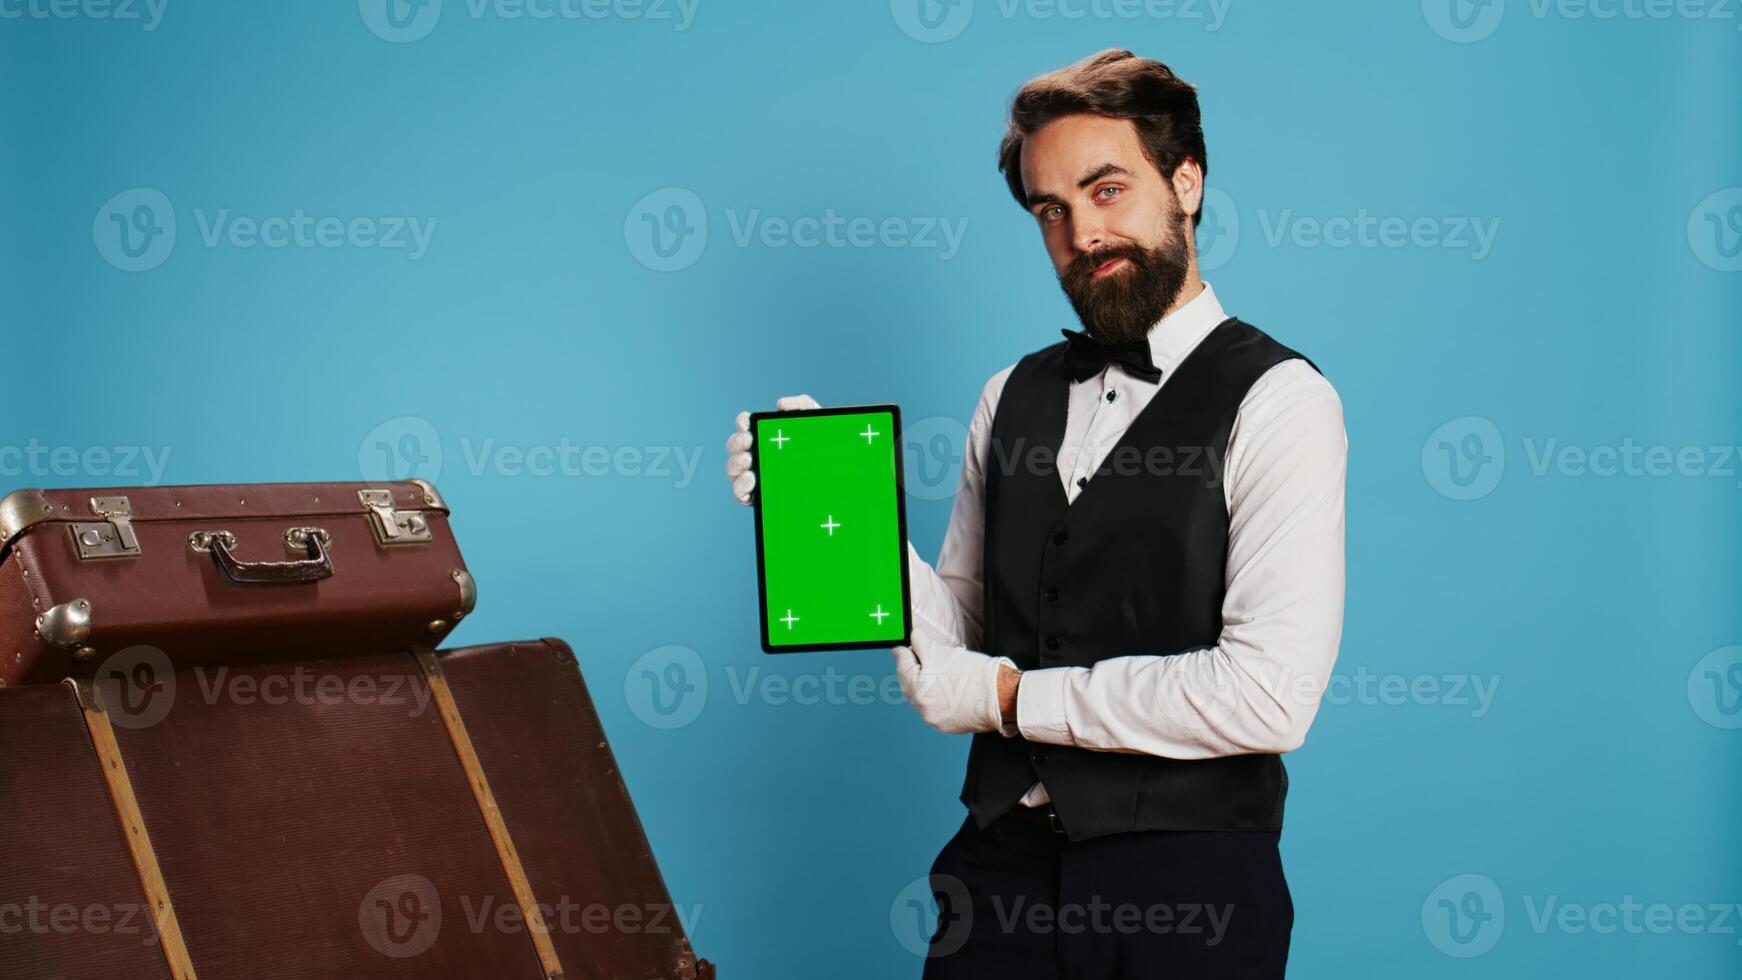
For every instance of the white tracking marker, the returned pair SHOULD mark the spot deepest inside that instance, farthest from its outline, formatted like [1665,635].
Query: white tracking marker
[879,614]
[780,438]
[830,525]
[869,434]
[789,619]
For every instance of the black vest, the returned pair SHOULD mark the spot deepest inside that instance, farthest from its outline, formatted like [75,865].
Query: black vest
[1135,565]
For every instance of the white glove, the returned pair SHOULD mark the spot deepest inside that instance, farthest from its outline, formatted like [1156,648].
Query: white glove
[738,446]
[954,689]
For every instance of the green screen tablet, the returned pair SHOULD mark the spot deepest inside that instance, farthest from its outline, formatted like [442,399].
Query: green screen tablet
[831,531]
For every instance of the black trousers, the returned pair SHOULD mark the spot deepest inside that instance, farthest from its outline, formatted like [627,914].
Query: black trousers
[1019,902]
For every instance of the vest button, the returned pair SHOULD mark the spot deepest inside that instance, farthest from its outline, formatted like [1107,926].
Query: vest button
[1052,595]
[1060,537]
[1052,642]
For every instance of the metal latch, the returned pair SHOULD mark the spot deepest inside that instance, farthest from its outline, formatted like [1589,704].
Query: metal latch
[111,537]
[394,526]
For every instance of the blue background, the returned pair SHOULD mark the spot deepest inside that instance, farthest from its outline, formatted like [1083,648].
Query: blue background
[538,314]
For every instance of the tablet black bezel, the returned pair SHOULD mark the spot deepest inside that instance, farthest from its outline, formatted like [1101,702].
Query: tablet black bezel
[894,412]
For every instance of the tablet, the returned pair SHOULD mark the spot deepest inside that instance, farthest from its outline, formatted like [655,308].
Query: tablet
[831,529]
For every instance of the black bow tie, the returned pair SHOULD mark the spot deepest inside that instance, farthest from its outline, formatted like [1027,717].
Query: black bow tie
[1085,357]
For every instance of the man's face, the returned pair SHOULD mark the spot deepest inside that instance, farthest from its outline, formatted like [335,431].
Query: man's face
[1116,230]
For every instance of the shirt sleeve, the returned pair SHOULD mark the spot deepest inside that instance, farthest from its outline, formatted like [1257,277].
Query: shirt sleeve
[946,601]
[1258,689]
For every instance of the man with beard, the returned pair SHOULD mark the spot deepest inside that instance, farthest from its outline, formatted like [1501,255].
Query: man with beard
[1140,594]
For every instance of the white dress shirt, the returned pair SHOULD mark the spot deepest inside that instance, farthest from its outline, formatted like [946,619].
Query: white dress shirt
[1258,689]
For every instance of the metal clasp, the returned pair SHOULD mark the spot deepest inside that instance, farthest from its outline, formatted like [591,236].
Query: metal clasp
[394,527]
[112,537]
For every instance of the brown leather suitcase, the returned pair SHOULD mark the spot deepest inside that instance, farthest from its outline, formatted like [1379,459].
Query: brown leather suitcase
[550,766]
[71,902]
[452,814]
[223,574]
[194,797]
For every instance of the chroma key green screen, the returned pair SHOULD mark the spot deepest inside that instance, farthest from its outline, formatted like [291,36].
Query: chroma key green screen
[831,531]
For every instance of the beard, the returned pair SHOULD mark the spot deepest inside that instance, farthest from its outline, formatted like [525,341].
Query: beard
[1121,307]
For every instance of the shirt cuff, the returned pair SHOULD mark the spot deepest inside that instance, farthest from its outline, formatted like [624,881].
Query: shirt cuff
[1040,706]
[1008,731]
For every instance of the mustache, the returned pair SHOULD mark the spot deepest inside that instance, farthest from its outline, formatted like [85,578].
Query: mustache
[1083,266]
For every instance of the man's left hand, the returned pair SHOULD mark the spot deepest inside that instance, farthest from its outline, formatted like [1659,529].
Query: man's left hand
[954,689]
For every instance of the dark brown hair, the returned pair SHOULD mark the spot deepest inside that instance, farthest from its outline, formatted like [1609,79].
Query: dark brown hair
[1120,85]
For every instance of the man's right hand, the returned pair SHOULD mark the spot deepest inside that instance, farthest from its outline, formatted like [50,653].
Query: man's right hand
[738,446]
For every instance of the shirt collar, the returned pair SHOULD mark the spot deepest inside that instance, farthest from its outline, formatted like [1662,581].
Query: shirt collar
[1176,335]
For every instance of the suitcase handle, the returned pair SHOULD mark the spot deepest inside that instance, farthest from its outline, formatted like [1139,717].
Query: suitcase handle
[221,546]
